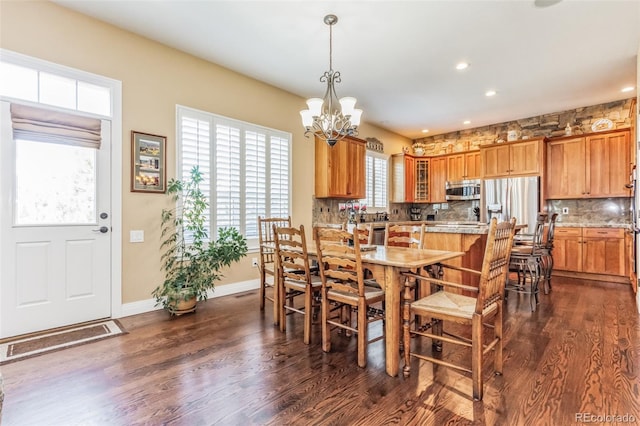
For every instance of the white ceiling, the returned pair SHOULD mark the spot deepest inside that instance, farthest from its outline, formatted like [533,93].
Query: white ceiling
[398,57]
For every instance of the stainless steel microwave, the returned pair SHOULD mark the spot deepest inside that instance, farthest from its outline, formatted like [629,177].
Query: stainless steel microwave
[463,190]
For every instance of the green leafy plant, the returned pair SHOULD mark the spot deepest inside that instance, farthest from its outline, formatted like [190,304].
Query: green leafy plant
[190,261]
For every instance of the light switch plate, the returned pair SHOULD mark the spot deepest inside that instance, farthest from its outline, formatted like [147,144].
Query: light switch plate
[136,236]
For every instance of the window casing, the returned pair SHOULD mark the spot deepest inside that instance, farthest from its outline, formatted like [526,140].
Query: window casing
[246,169]
[376,181]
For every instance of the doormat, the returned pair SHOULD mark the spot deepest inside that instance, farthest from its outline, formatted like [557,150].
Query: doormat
[15,349]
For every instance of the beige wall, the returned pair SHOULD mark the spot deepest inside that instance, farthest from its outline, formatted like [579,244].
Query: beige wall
[154,79]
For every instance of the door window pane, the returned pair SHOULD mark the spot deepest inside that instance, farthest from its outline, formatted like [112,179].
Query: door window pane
[55,184]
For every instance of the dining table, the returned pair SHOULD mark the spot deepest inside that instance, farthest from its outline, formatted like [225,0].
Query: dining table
[386,265]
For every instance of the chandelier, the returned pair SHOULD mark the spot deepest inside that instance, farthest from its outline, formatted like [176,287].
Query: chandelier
[328,118]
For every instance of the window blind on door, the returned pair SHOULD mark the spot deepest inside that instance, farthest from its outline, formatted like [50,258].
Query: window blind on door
[42,125]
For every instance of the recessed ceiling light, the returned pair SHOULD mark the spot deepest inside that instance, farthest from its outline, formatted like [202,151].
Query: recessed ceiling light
[466,122]
[462,66]
[425,130]
[490,93]
[628,89]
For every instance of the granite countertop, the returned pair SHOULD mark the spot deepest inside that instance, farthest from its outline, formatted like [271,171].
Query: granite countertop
[592,225]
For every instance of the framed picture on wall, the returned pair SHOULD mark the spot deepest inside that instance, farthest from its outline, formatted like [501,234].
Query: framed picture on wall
[148,162]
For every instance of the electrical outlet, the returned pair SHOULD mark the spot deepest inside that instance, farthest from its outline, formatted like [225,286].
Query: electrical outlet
[565,210]
[254,262]
[136,236]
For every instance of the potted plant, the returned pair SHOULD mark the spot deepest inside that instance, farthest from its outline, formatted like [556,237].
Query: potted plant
[190,261]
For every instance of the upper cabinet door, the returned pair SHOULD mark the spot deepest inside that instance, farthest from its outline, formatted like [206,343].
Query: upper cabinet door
[608,164]
[437,179]
[495,161]
[590,166]
[340,170]
[455,167]
[524,158]
[565,169]
[472,165]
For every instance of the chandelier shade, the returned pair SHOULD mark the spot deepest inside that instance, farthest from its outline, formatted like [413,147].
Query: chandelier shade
[328,118]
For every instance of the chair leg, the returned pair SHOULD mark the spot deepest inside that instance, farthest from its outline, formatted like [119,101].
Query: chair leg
[282,312]
[549,271]
[498,333]
[263,278]
[308,314]
[436,326]
[362,333]
[326,337]
[476,356]
[406,317]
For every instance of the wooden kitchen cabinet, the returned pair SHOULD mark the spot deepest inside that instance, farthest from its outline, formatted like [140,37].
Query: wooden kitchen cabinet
[403,172]
[590,250]
[410,179]
[473,246]
[422,181]
[463,166]
[340,170]
[438,179]
[603,251]
[519,158]
[596,165]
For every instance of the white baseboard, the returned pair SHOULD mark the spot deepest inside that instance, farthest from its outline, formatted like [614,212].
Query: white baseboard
[142,306]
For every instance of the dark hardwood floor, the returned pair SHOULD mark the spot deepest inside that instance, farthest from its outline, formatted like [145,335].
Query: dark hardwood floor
[228,365]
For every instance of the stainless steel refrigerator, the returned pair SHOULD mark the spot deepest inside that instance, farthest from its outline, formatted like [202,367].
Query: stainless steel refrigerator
[511,197]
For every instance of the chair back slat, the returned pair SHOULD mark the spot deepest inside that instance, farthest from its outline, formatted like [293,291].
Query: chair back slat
[401,235]
[551,231]
[266,236]
[538,232]
[495,265]
[292,255]
[365,233]
[340,263]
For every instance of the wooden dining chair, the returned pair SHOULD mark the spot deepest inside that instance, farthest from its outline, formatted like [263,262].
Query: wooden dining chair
[365,233]
[403,235]
[473,312]
[267,266]
[409,235]
[294,277]
[343,286]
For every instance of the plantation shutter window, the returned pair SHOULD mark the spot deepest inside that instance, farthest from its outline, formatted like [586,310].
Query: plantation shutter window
[246,169]
[376,184]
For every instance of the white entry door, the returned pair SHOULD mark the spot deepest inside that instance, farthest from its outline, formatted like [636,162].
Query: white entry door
[55,228]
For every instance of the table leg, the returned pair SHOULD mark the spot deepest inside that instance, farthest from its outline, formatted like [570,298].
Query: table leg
[392,319]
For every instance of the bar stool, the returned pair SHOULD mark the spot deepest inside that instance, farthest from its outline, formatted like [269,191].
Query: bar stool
[547,253]
[527,264]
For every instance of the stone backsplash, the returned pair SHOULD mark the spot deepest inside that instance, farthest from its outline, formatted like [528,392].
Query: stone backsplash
[549,125]
[611,211]
[593,211]
[450,211]
[326,210]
